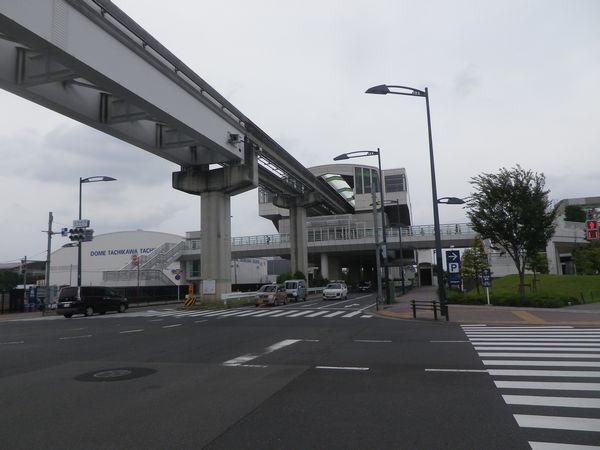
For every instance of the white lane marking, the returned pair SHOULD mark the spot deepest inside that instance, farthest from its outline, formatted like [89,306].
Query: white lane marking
[156,320]
[500,362]
[368,306]
[12,343]
[538,400]
[529,335]
[241,360]
[539,355]
[286,313]
[557,422]
[249,313]
[172,326]
[556,446]
[75,337]
[547,385]
[558,327]
[231,314]
[352,314]
[131,331]
[539,349]
[540,344]
[333,314]
[373,340]
[318,313]
[311,340]
[442,342]
[366,316]
[268,313]
[341,368]
[544,373]
[301,313]
[200,321]
[457,370]
[538,340]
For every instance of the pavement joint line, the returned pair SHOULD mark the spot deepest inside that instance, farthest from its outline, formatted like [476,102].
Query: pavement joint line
[12,343]
[200,321]
[445,342]
[375,341]
[458,370]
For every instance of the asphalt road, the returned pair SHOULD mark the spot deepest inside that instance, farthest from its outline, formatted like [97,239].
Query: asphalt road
[257,378]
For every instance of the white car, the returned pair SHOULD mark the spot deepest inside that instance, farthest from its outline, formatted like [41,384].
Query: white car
[335,291]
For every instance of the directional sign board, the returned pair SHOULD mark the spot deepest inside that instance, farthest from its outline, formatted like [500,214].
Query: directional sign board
[453,267]
[486,278]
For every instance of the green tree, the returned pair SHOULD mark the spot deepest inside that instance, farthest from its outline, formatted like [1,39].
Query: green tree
[538,263]
[575,213]
[9,279]
[284,277]
[587,259]
[474,259]
[512,209]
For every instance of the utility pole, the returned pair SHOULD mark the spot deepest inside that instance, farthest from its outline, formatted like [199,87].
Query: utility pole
[24,269]
[48,299]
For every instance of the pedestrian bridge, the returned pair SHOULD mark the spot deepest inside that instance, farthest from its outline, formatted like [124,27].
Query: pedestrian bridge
[344,239]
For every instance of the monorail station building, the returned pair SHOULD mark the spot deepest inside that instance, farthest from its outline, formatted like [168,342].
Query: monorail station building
[338,246]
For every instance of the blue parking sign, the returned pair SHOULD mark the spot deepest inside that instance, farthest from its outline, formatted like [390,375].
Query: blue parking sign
[453,267]
[486,278]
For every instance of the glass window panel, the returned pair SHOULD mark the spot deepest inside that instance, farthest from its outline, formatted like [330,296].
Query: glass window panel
[358,180]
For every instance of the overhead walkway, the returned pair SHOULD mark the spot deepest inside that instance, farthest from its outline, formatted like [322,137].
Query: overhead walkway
[340,239]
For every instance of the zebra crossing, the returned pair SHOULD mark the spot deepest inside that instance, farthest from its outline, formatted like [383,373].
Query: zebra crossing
[549,376]
[252,313]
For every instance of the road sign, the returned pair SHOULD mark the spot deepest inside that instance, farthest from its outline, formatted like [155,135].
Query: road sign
[453,267]
[81,223]
[486,278]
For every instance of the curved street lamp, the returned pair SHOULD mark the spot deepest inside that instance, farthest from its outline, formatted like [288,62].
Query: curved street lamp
[93,179]
[384,89]
[360,154]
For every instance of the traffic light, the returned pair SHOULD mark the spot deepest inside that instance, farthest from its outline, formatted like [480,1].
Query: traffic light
[77,234]
[88,235]
[64,232]
[591,229]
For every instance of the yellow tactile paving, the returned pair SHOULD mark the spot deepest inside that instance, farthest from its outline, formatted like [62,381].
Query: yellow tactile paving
[528,317]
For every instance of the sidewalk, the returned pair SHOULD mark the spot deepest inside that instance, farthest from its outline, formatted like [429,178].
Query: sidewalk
[580,315]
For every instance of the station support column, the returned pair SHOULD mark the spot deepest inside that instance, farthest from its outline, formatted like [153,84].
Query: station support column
[297,206]
[215,188]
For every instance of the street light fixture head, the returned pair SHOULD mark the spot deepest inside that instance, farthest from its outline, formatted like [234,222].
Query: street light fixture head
[381,89]
[356,154]
[451,201]
[97,178]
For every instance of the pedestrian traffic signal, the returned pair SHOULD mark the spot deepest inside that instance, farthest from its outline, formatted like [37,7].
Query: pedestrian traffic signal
[591,229]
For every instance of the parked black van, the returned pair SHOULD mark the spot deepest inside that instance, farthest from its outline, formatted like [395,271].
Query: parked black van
[89,300]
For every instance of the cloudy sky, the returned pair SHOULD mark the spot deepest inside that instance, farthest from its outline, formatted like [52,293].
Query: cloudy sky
[511,82]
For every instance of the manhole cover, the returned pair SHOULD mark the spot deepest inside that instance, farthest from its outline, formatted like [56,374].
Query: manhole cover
[117,374]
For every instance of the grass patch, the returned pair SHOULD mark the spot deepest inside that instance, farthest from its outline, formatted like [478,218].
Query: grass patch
[551,291]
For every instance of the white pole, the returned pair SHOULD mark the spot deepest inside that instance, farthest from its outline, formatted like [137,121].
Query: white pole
[487,293]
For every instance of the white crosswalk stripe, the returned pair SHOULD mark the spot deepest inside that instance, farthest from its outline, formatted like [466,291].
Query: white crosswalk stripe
[550,374]
[282,313]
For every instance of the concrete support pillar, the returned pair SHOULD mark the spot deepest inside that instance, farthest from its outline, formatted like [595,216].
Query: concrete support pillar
[298,234]
[324,266]
[215,226]
[215,187]
[298,239]
[554,266]
[335,272]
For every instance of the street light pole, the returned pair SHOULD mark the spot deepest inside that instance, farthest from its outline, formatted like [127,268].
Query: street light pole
[93,179]
[397,202]
[405,90]
[360,154]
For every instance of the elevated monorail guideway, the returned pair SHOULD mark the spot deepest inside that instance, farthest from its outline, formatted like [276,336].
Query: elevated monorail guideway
[88,60]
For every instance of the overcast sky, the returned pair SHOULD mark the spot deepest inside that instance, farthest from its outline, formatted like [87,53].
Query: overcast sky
[511,82]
